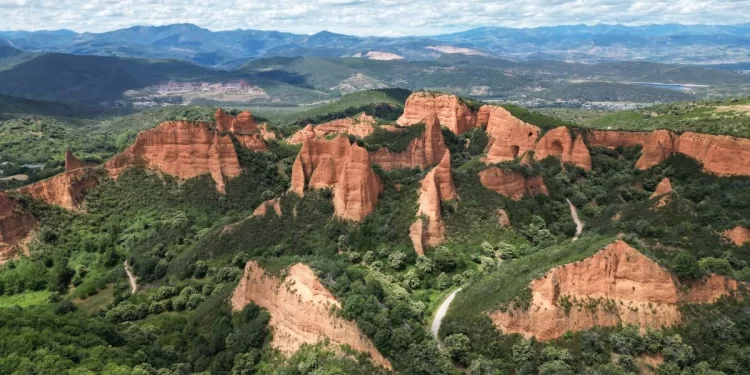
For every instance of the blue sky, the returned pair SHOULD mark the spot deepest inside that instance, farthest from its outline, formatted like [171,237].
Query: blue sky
[361,17]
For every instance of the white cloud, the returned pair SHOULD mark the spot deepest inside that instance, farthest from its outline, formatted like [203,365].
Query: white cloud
[361,17]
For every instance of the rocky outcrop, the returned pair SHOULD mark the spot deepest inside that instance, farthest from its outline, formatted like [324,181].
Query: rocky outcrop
[65,190]
[713,151]
[243,123]
[509,136]
[266,133]
[421,152]
[355,194]
[664,187]
[617,285]
[450,111]
[360,127]
[512,184]
[181,149]
[738,235]
[559,143]
[437,186]
[71,161]
[503,220]
[274,204]
[15,226]
[319,163]
[252,142]
[300,308]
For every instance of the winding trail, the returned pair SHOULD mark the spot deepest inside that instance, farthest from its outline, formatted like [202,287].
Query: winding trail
[440,314]
[131,278]
[579,223]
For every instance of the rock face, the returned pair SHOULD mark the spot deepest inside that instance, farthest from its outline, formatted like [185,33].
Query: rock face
[15,226]
[335,164]
[243,123]
[360,127]
[355,194]
[625,286]
[664,187]
[738,235]
[511,184]
[711,150]
[181,149]
[559,143]
[450,111]
[64,190]
[274,204]
[421,152]
[437,186]
[300,311]
[503,219]
[509,136]
[72,162]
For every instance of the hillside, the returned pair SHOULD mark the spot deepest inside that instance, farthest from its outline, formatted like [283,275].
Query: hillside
[614,92]
[208,243]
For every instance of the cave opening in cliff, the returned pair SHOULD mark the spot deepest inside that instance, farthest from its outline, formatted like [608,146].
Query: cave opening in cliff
[556,148]
[514,150]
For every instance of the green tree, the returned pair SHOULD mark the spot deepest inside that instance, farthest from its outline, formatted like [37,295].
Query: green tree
[686,266]
[458,346]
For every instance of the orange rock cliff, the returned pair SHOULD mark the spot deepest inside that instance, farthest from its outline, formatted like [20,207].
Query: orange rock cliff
[65,190]
[450,111]
[625,286]
[738,235]
[421,152]
[437,186]
[512,184]
[244,128]
[360,126]
[509,136]
[300,311]
[559,143]
[72,162]
[274,204]
[15,226]
[335,164]
[181,149]
[664,187]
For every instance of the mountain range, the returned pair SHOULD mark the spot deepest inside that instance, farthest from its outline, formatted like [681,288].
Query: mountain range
[693,44]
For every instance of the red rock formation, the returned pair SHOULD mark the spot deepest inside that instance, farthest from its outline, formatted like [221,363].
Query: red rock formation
[15,226]
[664,187]
[449,109]
[266,133]
[421,152]
[242,123]
[72,162]
[738,235]
[355,194]
[65,190]
[262,210]
[319,163]
[559,143]
[509,136]
[360,126]
[437,186]
[511,184]
[711,150]
[252,142]
[181,149]
[625,286]
[300,308]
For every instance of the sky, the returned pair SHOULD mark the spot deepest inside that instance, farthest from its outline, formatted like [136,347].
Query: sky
[361,17]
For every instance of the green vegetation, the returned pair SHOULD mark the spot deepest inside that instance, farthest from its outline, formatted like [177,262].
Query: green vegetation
[614,92]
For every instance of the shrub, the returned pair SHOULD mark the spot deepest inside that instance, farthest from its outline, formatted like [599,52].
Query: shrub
[445,260]
[685,266]
[715,265]
[458,346]
[397,260]
[355,257]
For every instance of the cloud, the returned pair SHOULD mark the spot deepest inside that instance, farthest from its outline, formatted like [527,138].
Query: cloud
[360,17]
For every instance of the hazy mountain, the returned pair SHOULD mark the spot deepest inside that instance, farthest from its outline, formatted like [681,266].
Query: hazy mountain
[686,43]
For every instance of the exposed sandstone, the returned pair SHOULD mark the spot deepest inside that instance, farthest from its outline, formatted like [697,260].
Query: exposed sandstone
[319,163]
[64,190]
[274,204]
[243,123]
[625,286]
[437,186]
[360,127]
[511,184]
[72,162]
[355,194]
[738,235]
[503,219]
[664,187]
[253,142]
[559,143]
[450,111]
[421,152]
[181,149]
[300,311]
[15,226]
[509,136]
[266,133]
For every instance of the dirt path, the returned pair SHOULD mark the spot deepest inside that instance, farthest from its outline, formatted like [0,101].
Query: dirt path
[579,223]
[440,314]
[131,278]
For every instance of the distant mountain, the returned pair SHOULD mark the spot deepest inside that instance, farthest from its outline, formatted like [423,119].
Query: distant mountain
[671,43]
